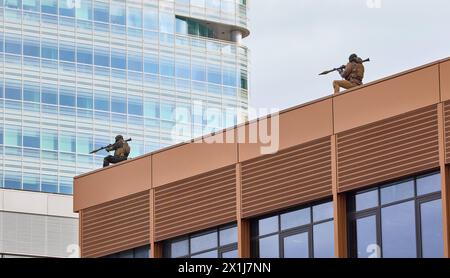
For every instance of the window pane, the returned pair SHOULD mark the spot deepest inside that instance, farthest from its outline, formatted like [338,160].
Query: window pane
[150,19]
[397,192]
[49,140]
[67,142]
[13,180]
[269,247]
[228,236]
[268,225]
[296,246]
[431,223]
[31,138]
[399,231]
[179,249]
[31,182]
[49,6]
[66,8]
[211,254]
[324,240]
[13,136]
[230,254]
[295,219]
[84,143]
[167,22]
[117,13]
[204,242]
[366,200]
[134,17]
[323,212]
[366,233]
[31,92]
[49,184]
[101,11]
[429,184]
[142,252]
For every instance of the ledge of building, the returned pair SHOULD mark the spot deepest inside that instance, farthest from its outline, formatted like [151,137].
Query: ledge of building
[381,99]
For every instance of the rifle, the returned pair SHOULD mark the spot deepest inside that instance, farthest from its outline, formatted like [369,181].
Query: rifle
[106,147]
[340,68]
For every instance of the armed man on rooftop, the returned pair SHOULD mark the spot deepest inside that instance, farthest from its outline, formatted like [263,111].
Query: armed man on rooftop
[352,74]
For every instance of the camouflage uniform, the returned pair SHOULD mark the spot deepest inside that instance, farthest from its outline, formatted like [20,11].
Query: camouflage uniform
[353,75]
[121,151]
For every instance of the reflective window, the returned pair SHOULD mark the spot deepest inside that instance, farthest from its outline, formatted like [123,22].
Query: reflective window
[67,8]
[136,253]
[67,96]
[405,224]
[217,242]
[119,104]
[134,17]
[49,139]
[31,182]
[166,22]
[67,142]
[135,106]
[84,99]
[84,9]
[67,52]
[49,183]
[16,4]
[296,246]
[84,54]
[366,237]
[13,44]
[397,192]
[269,247]
[13,135]
[151,64]
[150,18]
[31,137]
[101,11]
[49,94]
[49,49]
[428,184]
[13,89]
[117,13]
[31,91]
[398,231]
[431,225]
[31,5]
[101,56]
[13,180]
[366,200]
[295,234]
[31,47]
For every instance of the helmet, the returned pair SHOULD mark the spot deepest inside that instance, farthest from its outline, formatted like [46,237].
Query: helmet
[352,57]
[119,137]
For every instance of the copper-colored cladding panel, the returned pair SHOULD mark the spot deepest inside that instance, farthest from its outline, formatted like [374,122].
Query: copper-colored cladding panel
[194,204]
[296,127]
[386,99]
[388,149]
[291,177]
[112,183]
[445,80]
[193,159]
[447,130]
[115,226]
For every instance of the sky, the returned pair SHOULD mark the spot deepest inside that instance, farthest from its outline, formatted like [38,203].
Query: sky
[292,41]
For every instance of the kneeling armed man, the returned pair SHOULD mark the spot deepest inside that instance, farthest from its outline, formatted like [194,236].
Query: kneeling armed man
[121,151]
[353,74]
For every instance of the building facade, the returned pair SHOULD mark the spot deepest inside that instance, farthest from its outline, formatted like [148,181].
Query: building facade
[363,174]
[74,73]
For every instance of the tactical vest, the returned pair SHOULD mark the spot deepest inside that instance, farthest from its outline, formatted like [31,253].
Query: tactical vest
[123,151]
[357,74]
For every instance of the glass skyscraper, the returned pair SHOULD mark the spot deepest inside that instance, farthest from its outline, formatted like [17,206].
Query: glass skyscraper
[75,73]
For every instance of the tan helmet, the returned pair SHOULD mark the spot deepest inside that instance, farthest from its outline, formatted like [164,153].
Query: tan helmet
[119,137]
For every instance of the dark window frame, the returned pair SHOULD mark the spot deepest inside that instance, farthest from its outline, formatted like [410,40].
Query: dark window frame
[220,249]
[353,215]
[282,234]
